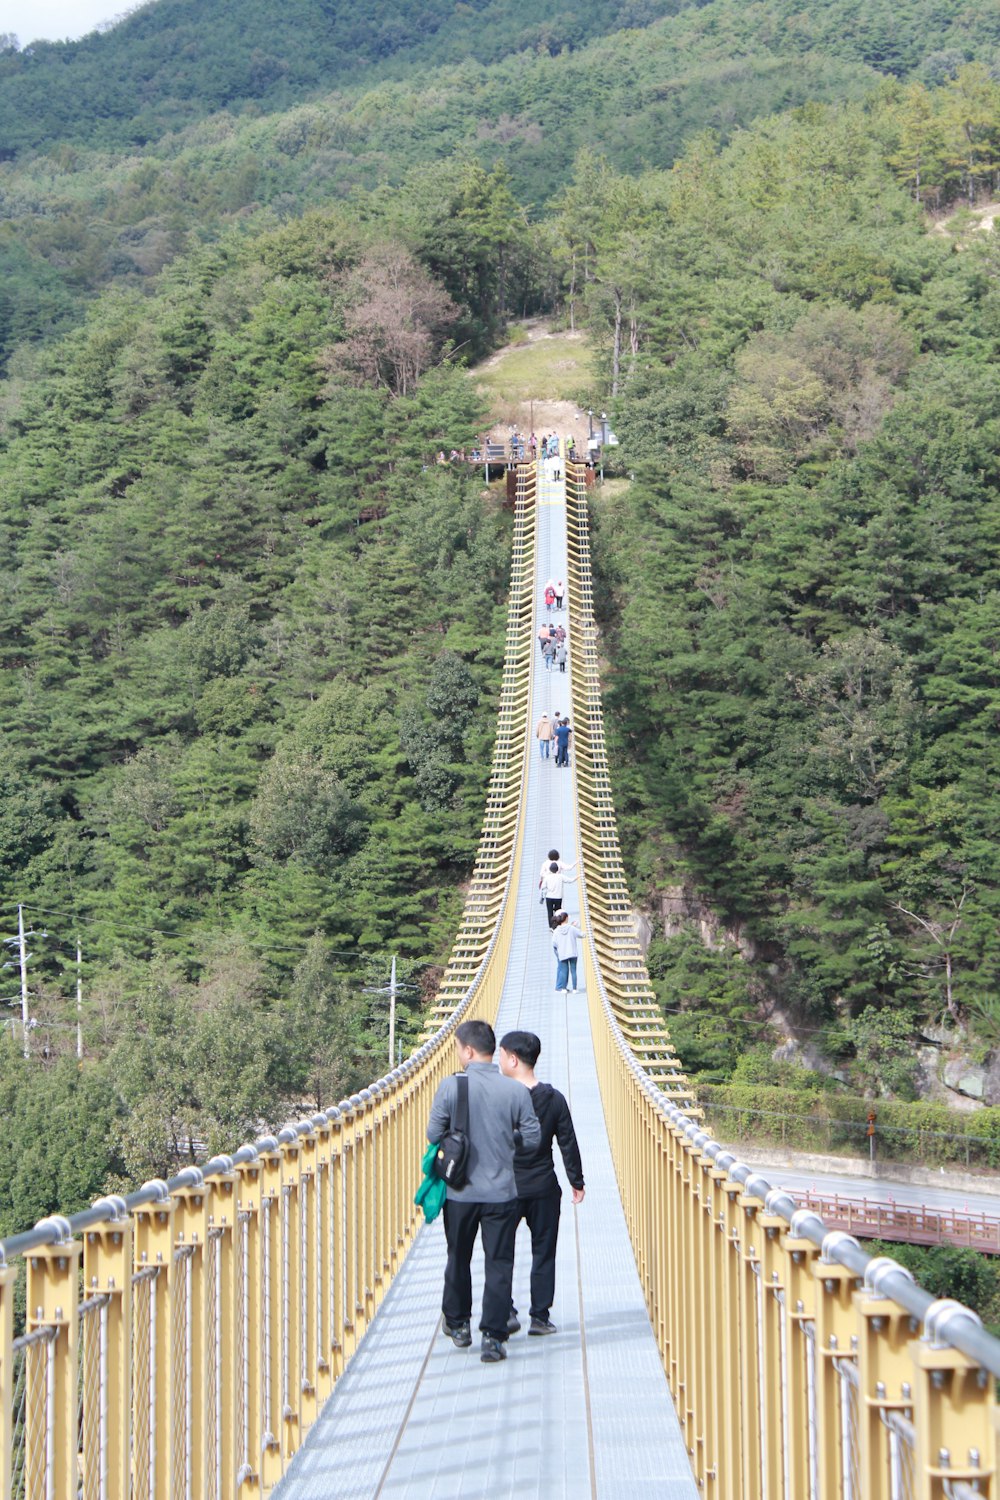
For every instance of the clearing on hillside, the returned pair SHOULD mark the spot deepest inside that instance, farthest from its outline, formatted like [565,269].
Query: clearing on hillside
[538,381]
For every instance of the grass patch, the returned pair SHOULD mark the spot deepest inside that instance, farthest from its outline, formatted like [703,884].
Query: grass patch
[552,368]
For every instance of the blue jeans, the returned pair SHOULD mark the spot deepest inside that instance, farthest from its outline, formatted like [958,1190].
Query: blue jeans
[543,748]
[565,973]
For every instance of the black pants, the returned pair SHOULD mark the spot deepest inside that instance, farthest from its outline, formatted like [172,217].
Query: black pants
[552,905]
[462,1222]
[542,1217]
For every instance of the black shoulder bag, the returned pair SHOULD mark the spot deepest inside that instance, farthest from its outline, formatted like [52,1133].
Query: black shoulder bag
[451,1162]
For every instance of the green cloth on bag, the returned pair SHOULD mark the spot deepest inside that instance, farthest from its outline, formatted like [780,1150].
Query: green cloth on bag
[431,1193]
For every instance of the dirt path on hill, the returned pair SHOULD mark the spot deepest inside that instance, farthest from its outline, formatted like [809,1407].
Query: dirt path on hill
[984,216]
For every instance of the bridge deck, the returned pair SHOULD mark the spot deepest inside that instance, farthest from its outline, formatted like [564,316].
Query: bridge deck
[587,1411]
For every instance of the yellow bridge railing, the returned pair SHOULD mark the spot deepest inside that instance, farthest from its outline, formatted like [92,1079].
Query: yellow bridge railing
[801,1368]
[180,1342]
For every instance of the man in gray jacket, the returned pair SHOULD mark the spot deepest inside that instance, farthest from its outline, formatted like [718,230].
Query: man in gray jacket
[500,1117]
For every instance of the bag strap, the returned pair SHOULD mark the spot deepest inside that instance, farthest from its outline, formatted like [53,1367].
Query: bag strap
[461,1120]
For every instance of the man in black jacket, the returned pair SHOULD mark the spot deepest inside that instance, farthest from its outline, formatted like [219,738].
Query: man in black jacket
[538,1192]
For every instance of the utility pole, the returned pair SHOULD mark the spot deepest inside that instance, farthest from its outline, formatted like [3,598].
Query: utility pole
[79,1001]
[22,948]
[392,1014]
[392,989]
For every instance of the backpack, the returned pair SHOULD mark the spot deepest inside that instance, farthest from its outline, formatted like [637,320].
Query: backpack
[452,1159]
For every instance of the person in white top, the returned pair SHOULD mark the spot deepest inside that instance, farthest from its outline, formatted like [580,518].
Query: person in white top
[552,858]
[552,889]
[566,936]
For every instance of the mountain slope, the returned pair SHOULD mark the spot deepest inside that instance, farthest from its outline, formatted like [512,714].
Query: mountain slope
[174,61]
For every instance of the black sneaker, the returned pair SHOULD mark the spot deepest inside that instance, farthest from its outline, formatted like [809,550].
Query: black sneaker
[459,1333]
[540,1327]
[492,1351]
[513,1326]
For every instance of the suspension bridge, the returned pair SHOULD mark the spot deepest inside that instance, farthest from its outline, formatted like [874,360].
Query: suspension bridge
[269,1323]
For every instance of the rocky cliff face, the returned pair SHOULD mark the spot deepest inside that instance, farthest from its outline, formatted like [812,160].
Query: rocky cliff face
[949,1072]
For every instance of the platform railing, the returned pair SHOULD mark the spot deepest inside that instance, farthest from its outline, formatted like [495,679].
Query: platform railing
[179,1343]
[801,1369]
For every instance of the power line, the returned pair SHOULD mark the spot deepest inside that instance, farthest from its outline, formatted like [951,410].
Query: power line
[152,929]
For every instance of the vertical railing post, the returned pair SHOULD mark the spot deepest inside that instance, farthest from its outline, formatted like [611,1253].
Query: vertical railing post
[704,1298]
[674,1262]
[885,1384]
[353,1300]
[52,1369]
[222,1246]
[290,1292]
[800,1316]
[835,1340]
[309,1211]
[248,1330]
[725,1462]
[323,1270]
[8,1278]
[338,1245]
[192,1390]
[749,1337]
[774,1353]
[271,1325]
[953,1407]
[108,1254]
[155,1406]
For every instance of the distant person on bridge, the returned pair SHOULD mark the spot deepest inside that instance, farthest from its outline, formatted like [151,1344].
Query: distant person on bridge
[553,858]
[552,882]
[548,652]
[560,588]
[562,734]
[500,1117]
[566,935]
[543,637]
[550,595]
[560,656]
[539,1196]
[543,734]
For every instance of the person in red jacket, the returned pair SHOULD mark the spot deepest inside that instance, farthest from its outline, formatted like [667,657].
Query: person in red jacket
[539,1196]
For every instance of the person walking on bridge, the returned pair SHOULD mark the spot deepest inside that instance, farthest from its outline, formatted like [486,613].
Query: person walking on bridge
[553,858]
[539,1196]
[543,734]
[566,935]
[562,733]
[553,883]
[500,1117]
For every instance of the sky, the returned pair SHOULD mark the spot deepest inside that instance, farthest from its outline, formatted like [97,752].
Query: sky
[32,20]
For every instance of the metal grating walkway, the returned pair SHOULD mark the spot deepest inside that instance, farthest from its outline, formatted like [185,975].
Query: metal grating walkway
[587,1412]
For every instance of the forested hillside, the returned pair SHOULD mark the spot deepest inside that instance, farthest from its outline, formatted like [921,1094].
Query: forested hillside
[171,62]
[250,634]
[93,198]
[251,647]
[802,596]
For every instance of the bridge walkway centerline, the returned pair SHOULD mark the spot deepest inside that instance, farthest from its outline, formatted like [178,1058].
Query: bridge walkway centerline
[411,1415]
